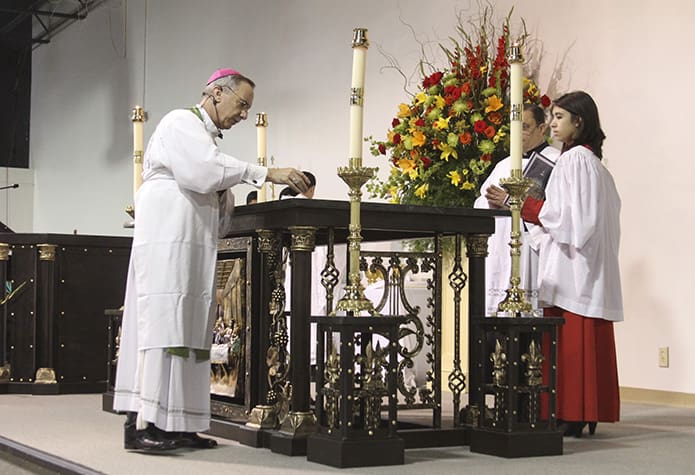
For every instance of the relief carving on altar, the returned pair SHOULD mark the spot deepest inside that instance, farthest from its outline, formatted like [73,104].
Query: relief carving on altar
[227,352]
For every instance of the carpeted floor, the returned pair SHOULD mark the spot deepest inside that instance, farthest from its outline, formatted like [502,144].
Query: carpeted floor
[74,429]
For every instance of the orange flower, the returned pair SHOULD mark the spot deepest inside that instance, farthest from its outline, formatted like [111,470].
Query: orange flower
[495,118]
[465,138]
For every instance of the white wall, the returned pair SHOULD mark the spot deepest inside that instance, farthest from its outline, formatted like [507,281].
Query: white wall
[633,57]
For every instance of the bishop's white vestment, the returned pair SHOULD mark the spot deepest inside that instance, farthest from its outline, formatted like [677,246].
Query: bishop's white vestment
[181,209]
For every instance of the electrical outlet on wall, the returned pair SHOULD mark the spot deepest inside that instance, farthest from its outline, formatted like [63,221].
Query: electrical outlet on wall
[663,357]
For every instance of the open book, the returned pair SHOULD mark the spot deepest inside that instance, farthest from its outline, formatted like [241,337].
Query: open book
[538,169]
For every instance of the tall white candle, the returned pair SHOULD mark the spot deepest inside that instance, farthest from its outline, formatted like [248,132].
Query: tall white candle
[359,58]
[261,147]
[138,118]
[516,96]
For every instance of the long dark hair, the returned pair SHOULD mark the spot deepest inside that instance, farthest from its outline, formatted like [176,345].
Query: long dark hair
[584,110]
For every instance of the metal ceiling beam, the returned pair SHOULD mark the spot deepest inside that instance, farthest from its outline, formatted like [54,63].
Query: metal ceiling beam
[73,16]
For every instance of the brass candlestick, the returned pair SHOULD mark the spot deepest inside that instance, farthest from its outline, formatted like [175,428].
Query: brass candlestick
[355,176]
[354,301]
[515,304]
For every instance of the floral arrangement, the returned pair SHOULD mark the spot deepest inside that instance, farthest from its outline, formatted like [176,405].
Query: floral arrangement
[444,142]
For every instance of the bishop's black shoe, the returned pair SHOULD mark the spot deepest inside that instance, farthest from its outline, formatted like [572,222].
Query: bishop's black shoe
[148,440]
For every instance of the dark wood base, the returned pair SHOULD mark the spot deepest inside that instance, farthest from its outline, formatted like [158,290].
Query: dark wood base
[355,453]
[516,444]
[48,389]
[288,444]
[243,434]
[423,438]
[107,402]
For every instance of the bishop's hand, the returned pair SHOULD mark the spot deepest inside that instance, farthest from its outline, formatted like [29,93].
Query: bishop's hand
[291,177]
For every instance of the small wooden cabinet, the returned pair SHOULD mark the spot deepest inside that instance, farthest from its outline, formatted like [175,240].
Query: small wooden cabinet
[53,334]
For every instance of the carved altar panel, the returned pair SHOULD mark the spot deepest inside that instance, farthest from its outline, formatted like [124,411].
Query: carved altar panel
[228,345]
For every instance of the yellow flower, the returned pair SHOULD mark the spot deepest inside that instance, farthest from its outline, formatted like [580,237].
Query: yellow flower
[467,185]
[441,123]
[493,104]
[419,138]
[420,97]
[454,176]
[447,151]
[403,110]
[439,102]
[393,191]
[422,190]
[408,166]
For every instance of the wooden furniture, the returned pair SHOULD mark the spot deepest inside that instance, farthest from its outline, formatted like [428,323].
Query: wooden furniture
[516,367]
[53,336]
[282,419]
[355,375]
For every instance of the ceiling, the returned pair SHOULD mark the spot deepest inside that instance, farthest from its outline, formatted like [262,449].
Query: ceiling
[25,23]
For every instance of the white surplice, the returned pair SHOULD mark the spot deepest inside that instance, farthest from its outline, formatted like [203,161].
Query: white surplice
[579,238]
[170,292]
[498,264]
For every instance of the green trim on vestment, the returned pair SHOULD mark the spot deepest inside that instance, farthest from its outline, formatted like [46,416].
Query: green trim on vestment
[183,352]
[197,112]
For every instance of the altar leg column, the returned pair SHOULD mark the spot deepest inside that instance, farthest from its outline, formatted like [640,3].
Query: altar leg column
[301,421]
[264,416]
[45,381]
[476,250]
[4,361]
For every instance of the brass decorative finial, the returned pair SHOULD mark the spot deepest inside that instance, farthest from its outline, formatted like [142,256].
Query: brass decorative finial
[515,52]
[359,38]
[138,114]
[261,119]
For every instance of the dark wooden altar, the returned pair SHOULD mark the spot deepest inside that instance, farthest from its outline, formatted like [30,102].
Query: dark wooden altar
[271,415]
[53,335]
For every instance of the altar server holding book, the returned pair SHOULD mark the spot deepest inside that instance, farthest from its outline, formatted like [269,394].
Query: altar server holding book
[579,278]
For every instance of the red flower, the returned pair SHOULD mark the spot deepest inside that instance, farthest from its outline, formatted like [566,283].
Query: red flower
[486,157]
[420,122]
[432,80]
[436,142]
[396,138]
[451,94]
[395,123]
[545,101]
[426,162]
[382,149]
[479,126]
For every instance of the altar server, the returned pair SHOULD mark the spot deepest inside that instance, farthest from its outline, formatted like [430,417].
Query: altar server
[183,206]
[498,265]
[579,276]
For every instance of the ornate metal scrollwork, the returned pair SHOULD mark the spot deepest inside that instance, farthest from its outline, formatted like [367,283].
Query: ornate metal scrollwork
[331,389]
[395,300]
[499,380]
[277,358]
[330,273]
[534,378]
[457,281]
[374,367]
